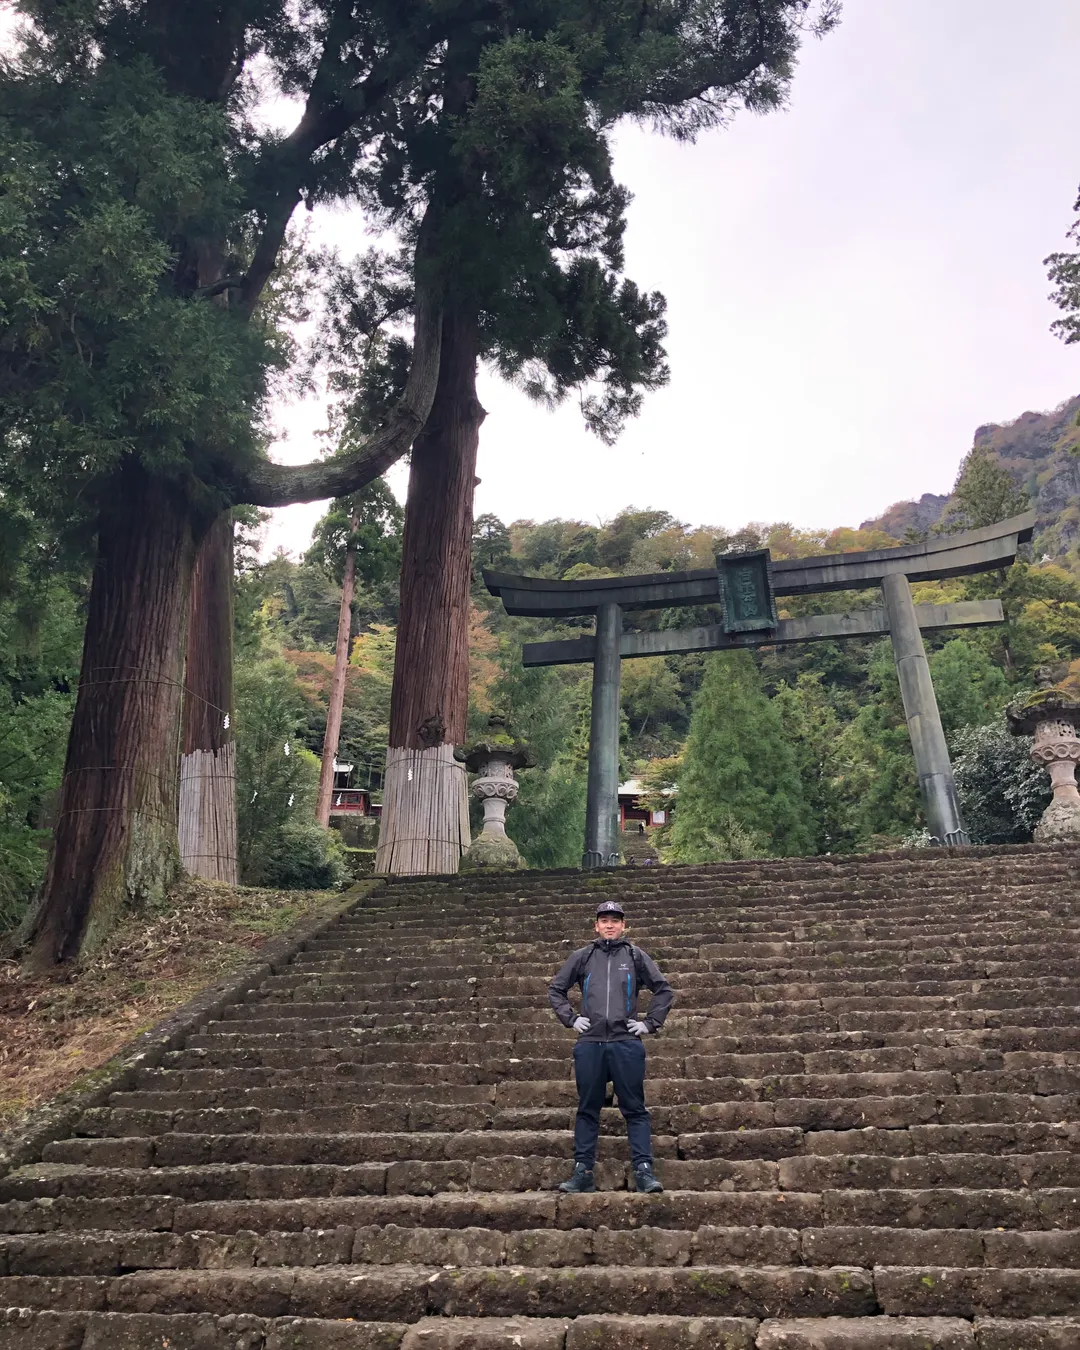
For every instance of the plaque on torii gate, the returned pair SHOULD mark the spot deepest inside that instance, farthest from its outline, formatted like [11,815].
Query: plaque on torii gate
[744,587]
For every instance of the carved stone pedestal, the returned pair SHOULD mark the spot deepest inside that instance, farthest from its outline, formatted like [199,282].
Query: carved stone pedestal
[495,787]
[1053,718]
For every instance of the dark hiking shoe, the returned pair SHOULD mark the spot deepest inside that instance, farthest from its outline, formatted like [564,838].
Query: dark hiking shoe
[645,1179]
[580,1182]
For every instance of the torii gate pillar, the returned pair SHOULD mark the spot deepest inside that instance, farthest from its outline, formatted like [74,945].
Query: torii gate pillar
[602,805]
[932,764]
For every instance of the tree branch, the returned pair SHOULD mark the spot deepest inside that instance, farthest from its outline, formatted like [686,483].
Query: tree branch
[326,116]
[268,484]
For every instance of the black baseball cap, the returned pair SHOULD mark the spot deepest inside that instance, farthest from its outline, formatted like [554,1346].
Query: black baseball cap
[610,907]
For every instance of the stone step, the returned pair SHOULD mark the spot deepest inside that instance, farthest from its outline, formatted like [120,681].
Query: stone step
[208,1180]
[745,1132]
[399,964]
[475,1107]
[531,1038]
[410,1042]
[408,1293]
[717,935]
[844,1152]
[938,1208]
[866,1109]
[27,1329]
[691,932]
[114,1253]
[930,924]
[715,1002]
[473,1061]
[966,985]
[32,1329]
[464,1083]
[236,1166]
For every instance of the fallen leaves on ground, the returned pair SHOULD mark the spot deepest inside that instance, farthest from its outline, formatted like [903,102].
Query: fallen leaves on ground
[53,1031]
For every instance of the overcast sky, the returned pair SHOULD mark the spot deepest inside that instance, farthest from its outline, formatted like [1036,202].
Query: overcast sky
[854,284]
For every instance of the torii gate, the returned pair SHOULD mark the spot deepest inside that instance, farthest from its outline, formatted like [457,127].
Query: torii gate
[744,586]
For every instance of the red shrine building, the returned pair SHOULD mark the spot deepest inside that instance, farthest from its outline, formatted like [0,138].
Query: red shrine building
[347,800]
[632,808]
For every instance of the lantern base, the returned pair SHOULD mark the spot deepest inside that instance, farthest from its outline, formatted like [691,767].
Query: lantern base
[1060,821]
[490,852]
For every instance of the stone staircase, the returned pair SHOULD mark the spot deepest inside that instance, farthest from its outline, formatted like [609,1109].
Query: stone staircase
[866,1108]
[637,848]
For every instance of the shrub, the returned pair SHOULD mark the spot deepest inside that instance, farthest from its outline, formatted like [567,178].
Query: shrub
[304,857]
[1002,793]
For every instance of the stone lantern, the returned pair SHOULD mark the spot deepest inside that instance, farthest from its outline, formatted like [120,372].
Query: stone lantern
[1053,718]
[493,761]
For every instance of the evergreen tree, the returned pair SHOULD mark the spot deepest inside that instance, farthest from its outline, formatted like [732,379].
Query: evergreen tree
[877,747]
[740,773]
[144,220]
[970,689]
[824,772]
[1063,269]
[983,494]
[505,146]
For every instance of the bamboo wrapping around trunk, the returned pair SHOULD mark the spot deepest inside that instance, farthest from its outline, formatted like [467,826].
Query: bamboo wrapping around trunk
[425,815]
[208,815]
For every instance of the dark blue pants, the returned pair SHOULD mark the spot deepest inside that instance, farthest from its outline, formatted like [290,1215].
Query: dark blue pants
[622,1063]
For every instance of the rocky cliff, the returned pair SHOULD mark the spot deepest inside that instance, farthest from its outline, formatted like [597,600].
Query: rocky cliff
[1042,453]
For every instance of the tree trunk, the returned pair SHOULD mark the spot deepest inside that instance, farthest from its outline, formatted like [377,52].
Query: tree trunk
[208,745]
[115,840]
[425,820]
[337,688]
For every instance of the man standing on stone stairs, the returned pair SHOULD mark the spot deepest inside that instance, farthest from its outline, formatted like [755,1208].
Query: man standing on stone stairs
[610,1046]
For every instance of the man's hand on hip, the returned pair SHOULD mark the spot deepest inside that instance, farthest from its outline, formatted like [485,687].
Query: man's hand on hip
[581,1025]
[638,1028]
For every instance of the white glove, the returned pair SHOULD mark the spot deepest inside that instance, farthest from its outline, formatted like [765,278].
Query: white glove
[581,1025]
[638,1028]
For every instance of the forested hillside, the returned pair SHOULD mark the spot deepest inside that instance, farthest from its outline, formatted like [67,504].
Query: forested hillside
[791,750]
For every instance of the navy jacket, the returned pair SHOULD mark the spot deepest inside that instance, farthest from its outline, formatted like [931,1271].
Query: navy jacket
[610,974]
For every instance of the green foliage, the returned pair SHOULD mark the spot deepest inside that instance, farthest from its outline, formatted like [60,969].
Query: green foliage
[369,521]
[305,857]
[102,356]
[545,709]
[1002,793]
[616,542]
[983,494]
[511,172]
[41,621]
[824,771]
[739,778]
[654,703]
[1063,269]
[970,689]
[876,745]
[277,779]
[491,545]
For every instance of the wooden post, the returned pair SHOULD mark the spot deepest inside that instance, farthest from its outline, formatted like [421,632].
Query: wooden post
[932,764]
[337,685]
[602,806]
